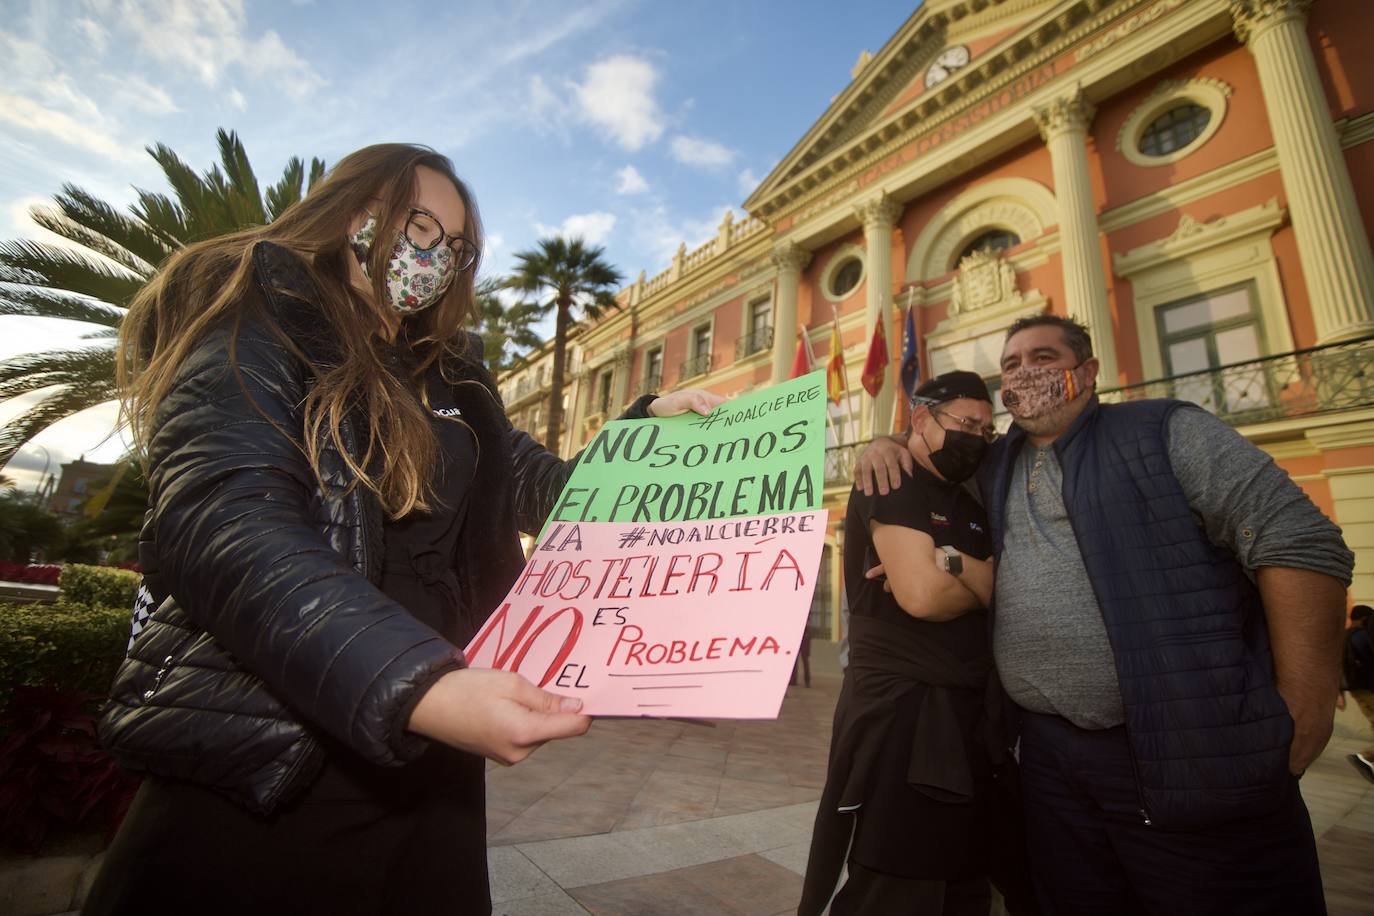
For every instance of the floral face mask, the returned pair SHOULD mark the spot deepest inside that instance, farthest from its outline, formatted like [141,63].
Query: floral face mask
[415,278]
[1034,391]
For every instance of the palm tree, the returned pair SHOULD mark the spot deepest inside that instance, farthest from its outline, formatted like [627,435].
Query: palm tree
[121,252]
[573,275]
[506,330]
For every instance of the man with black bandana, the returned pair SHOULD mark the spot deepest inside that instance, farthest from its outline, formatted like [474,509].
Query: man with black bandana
[908,790]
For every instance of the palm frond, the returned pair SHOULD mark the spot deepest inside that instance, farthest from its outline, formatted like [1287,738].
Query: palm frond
[244,197]
[39,302]
[60,405]
[163,217]
[41,264]
[286,191]
[96,215]
[86,367]
[317,171]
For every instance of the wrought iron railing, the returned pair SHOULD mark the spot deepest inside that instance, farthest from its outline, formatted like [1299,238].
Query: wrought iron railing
[751,343]
[649,384]
[1323,379]
[697,365]
[839,463]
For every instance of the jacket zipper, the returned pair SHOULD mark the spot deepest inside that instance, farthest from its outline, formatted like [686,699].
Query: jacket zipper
[350,436]
[159,677]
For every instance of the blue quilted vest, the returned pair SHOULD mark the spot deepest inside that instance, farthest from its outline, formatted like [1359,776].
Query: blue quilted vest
[1207,729]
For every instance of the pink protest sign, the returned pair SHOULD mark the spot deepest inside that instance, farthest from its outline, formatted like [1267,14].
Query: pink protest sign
[696,619]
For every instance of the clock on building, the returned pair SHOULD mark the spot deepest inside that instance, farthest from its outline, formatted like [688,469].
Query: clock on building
[950,59]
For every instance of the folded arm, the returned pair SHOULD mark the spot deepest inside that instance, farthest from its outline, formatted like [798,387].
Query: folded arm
[921,587]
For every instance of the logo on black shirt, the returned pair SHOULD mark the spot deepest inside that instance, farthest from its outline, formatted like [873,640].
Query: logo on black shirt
[447,412]
[938,520]
[976,527]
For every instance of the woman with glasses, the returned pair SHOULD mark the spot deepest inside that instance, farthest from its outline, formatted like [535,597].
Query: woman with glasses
[335,493]
[907,805]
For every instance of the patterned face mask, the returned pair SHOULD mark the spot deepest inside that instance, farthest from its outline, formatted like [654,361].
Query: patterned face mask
[415,278]
[1034,391]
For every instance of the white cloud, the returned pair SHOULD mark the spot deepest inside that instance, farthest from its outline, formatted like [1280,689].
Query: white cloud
[95,33]
[539,41]
[208,37]
[548,111]
[658,233]
[747,182]
[30,115]
[593,228]
[701,153]
[237,100]
[631,182]
[617,95]
[137,93]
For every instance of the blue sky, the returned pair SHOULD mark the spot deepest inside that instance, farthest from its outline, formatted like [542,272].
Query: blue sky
[635,124]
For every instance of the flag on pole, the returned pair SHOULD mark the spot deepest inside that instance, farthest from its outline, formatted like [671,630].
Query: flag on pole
[801,363]
[911,360]
[836,383]
[876,361]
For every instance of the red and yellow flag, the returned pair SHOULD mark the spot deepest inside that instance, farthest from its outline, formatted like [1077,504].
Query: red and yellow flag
[836,383]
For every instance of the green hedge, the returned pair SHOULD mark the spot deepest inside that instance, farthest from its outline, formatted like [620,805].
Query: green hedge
[99,586]
[70,646]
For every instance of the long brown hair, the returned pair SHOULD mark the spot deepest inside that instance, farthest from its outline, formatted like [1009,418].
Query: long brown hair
[209,281]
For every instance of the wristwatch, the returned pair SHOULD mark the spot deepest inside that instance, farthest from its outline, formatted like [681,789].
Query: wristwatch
[954,563]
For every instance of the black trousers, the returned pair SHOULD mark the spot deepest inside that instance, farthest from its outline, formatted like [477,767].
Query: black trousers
[341,851]
[1091,853]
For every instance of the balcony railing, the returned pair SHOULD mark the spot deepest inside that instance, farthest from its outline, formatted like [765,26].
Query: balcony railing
[839,463]
[697,365]
[1333,377]
[649,384]
[1324,379]
[751,343]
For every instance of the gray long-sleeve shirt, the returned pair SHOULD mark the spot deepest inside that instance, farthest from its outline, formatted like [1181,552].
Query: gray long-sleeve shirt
[1049,638]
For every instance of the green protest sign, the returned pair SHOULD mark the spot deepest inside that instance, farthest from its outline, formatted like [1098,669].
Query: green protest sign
[762,453]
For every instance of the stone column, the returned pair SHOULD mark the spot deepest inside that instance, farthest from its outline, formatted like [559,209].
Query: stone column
[879,214]
[1332,242]
[1064,124]
[790,259]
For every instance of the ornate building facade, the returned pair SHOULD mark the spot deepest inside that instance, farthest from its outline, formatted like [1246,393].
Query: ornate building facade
[1193,179]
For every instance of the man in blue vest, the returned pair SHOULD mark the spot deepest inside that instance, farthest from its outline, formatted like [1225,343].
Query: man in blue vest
[1167,617]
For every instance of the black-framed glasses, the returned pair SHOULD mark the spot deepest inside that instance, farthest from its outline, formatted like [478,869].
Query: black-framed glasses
[970,425]
[426,233]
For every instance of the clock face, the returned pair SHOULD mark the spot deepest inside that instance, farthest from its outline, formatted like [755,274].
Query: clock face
[950,59]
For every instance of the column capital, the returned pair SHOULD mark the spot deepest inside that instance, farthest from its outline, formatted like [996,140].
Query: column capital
[879,212]
[1251,17]
[1070,112]
[788,255]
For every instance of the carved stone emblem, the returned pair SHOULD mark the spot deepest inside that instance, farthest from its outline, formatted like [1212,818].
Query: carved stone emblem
[984,279]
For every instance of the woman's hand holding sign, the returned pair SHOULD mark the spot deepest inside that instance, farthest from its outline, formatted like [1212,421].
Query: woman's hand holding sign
[679,402]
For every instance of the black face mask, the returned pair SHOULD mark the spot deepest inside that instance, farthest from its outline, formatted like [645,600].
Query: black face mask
[959,457]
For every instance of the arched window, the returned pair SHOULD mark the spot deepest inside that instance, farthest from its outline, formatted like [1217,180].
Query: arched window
[992,240]
[1174,129]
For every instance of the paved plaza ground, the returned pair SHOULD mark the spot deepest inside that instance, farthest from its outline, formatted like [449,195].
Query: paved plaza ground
[647,817]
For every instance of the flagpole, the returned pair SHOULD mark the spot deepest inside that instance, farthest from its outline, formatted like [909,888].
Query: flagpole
[910,291]
[811,359]
[848,404]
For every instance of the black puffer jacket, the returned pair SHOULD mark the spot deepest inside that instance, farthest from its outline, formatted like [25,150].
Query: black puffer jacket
[268,626]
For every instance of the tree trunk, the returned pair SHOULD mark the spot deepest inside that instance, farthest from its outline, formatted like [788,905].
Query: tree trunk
[560,346]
